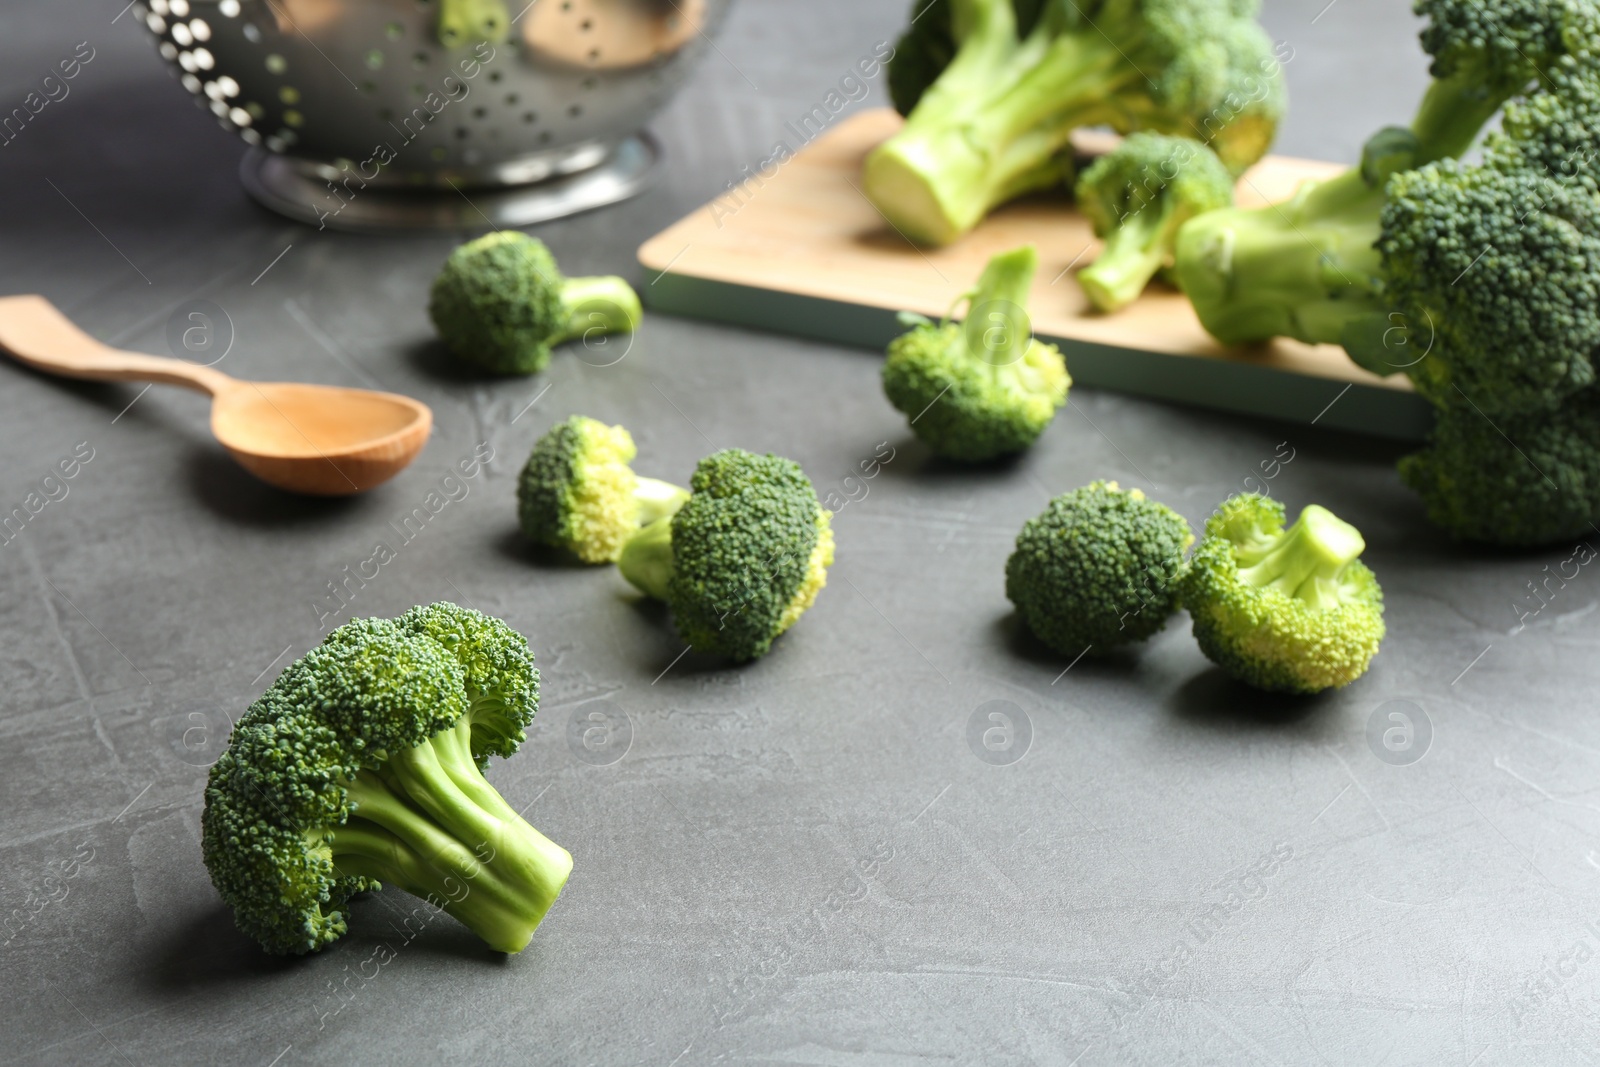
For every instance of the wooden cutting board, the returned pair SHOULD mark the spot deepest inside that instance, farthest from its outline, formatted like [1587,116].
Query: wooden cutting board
[801,250]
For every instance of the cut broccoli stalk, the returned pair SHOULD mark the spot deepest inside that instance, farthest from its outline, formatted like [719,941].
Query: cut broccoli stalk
[1307,561]
[646,559]
[598,305]
[427,822]
[997,328]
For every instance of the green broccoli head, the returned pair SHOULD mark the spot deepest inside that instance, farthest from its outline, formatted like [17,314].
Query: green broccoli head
[500,302]
[742,560]
[362,764]
[578,492]
[1484,53]
[984,387]
[1136,197]
[999,86]
[1291,611]
[1098,568]
[1524,480]
[1497,268]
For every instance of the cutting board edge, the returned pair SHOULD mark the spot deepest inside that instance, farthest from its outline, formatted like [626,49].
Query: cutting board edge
[1219,385]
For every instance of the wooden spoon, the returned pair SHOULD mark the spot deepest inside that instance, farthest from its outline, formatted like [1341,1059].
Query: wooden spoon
[314,439]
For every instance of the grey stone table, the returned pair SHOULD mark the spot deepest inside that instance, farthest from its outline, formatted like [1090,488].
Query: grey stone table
[804,860]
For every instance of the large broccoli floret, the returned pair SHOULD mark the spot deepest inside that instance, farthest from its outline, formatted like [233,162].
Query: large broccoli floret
[1136,197]
[578,492]
[1480,278]
[1519,480]
[501,302]
[1098,568]
[1291,610]
[983,387]
[994,88]
[742,560]
[363,764]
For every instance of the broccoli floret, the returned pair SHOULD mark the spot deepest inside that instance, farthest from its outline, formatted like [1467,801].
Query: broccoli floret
[1293,610]
[501,302]
[578,492]
[1475,280]
[363,764]
[1136,197]
[1523,480]
[742,560]
[994,88]
[1098,568]
[464,21]
[984,387]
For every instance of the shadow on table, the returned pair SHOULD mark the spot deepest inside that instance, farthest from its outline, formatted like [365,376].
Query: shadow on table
[1211,698]
[514,545]
[230,492]
[209,950]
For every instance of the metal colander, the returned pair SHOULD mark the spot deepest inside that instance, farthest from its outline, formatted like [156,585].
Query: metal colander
[442,113]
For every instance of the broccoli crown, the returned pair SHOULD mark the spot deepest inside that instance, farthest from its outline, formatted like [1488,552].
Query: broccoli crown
[1500,267]
[1293,610]
[998,87]
[984,387]
[577,490]
[1136,197]
[1524,480]
[1098,568]
[497,302]
[362,764]
[749,552]
[965,407]
[1498,44]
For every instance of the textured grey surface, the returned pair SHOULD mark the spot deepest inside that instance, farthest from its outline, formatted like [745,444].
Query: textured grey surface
[801,861]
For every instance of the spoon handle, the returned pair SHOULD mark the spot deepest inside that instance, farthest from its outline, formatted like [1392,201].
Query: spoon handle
[35,333]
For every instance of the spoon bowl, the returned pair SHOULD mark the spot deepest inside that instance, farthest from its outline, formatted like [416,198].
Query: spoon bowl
[317,439]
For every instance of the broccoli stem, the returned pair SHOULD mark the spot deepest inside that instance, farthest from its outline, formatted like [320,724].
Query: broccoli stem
[983,135]
[646,559]
[658,499]
[1307,561]
[997,328]
[596,306]
[1307,269]
[1453,112]
[428,822]
[1133,252]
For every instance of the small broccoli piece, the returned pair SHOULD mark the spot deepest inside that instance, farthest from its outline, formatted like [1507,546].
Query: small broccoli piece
[993,89]
[984,387]
[500,302]
[1136,197]
[462,22]
[363,764]
[1292,611]
[1523,480]
[578,492]
[742,560]
[1098,568]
